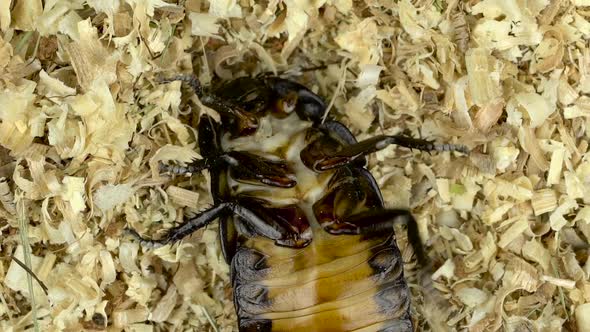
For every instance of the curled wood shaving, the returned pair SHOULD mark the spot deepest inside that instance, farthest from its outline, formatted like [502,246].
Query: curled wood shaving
[530,145]
[183,197]
[84,126]
[489,114]
[544,201]
[6,197]
[583,317]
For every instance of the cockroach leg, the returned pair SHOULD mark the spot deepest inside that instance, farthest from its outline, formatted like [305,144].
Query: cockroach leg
[273,231]
[189,79]
[290,220]
[248,167]
[353,189]
[350,190]
[194,167]
[376,220]
[209,137]
[149,243]
[340,130]
[242,123]
[419,144]
[177,233]
[209,143]
[245,167]
[380,221]
[325,159]
[228,236]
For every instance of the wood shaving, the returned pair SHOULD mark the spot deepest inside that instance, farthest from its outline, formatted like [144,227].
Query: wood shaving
[85,124]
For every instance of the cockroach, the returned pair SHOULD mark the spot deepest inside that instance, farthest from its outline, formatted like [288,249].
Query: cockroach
[302,222]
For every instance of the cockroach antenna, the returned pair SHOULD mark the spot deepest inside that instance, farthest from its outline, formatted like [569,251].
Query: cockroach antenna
[28,270]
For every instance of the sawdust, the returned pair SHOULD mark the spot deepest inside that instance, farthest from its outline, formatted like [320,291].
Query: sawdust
[84,123]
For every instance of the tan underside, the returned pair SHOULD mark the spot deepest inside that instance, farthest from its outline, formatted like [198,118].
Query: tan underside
[335,295]
[326,286]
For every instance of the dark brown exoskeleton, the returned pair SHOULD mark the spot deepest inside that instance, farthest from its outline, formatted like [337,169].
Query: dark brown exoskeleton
[302,222]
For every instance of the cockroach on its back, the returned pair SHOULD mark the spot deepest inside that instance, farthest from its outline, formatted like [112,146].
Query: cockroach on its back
[301,221]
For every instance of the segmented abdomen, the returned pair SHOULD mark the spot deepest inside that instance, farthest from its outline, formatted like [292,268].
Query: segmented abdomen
[337,283]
